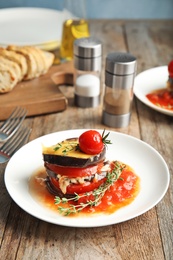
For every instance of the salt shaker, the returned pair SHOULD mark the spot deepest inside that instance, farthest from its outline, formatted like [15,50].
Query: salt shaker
[120,73]
[87,63]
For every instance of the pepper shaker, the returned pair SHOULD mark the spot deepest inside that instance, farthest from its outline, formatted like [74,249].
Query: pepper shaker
[120,72]
[87,63]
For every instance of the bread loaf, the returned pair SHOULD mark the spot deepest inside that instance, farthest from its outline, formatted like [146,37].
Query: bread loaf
[22,63]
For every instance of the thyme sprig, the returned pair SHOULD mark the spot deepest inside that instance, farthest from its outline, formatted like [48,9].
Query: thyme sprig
[104,138]
[92,198]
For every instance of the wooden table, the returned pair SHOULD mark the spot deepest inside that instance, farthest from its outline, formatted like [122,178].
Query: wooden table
[149,236]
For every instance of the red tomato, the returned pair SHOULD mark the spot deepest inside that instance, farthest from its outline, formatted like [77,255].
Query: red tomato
[170,69]
[90,142]
[74,171]
[79,188]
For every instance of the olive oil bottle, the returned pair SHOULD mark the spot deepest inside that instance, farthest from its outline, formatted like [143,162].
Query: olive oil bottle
[72,30]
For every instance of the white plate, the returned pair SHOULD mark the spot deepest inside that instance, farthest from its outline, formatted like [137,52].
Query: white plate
[146,161]
[30,26]
[148,81]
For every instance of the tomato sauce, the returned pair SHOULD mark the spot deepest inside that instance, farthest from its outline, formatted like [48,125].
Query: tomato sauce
[121,193]
[162,98]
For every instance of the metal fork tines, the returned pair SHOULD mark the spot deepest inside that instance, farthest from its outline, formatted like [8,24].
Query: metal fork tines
[15,142]
[12,124]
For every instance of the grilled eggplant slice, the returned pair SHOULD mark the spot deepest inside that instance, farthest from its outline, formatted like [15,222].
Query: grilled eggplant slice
[67,153]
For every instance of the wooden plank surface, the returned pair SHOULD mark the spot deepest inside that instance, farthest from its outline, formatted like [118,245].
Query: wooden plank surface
[147,237]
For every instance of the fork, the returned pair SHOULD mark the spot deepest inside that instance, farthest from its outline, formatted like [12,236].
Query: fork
[14,143]
[12,124]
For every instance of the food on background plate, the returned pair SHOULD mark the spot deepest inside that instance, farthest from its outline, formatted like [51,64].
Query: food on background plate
[19,63]
[164,97]
[83,180]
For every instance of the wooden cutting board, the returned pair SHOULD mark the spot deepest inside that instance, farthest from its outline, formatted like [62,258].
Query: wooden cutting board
[41,95]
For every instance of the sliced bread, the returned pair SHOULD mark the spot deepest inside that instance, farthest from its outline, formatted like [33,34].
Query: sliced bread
[8,78]
[49,59]
[15,57]
[13,65]
[31,63]
[38,59]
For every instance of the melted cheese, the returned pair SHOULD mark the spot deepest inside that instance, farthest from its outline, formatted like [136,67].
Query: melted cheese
[66,148]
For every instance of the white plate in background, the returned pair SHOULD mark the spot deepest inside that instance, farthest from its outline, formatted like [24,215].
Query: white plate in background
[145,160]
[31,26]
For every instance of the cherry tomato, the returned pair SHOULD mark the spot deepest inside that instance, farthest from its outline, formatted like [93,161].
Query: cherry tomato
[74,171]
[170,69]
[90,142]
[79,188]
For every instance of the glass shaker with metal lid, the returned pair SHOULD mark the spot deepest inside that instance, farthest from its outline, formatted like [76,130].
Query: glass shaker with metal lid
[119,80]
[87,63]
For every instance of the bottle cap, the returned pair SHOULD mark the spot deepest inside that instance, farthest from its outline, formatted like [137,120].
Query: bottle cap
[119,63]
[88,47]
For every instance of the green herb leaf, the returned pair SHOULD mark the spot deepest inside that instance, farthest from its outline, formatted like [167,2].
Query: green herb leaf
[57,147]
[104,138]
